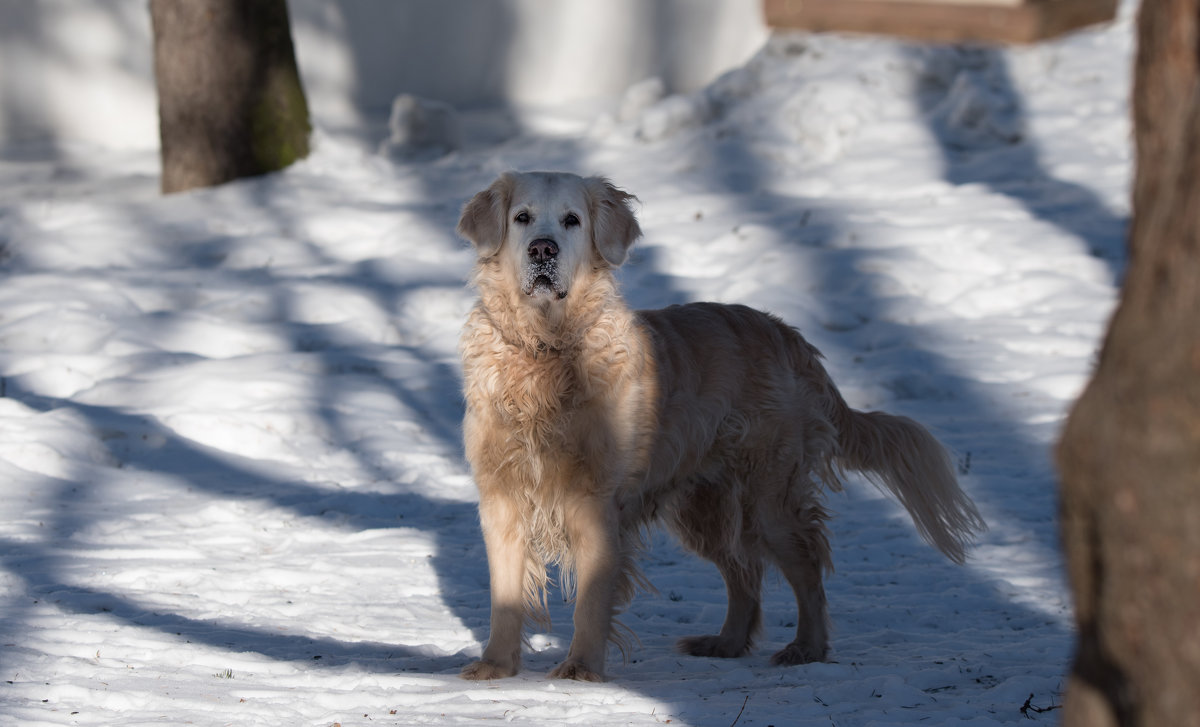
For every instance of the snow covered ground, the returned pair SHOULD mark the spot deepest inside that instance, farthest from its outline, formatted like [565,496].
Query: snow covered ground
[231,485]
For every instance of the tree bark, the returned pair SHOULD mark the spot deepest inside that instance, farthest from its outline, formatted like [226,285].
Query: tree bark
[1130,453]
[231,103]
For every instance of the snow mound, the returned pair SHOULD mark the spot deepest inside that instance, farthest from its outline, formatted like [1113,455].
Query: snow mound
[420,129]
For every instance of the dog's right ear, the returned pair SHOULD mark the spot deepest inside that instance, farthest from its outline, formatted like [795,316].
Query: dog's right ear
[484,220]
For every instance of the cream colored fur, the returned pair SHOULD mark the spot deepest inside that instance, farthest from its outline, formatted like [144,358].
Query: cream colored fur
[588,422]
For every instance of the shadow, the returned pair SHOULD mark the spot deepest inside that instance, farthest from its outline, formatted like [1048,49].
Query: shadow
[488,54]
[222,634]
[901,364]
[71,111]
[138,442]
[469,48]
[47,76]
[873,545]
[976,114]
[18,123]
[343,362]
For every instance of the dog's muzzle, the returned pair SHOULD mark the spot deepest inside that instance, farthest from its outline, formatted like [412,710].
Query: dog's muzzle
[541,269]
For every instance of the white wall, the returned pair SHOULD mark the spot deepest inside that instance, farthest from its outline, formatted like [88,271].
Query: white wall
[83,71]
[77,71]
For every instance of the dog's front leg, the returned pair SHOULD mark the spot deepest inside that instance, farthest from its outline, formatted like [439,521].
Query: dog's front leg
[507,554]
[592,529]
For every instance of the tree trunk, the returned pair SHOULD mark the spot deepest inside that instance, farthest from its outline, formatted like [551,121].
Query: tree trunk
[230,99]
[1130,454]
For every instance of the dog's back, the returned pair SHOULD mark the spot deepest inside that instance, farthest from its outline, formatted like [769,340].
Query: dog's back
[729,377]
[736,383]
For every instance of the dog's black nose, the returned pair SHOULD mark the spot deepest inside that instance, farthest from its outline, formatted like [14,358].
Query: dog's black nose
[543,249]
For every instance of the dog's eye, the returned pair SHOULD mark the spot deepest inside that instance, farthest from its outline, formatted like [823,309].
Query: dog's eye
[522,218]
[571,220]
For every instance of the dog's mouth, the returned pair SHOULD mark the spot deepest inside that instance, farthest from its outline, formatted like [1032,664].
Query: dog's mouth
[543,279]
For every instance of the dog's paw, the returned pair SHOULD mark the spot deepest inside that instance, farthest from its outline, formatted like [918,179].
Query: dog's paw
[577,670]
[487,669]
[711,646]
[795,653]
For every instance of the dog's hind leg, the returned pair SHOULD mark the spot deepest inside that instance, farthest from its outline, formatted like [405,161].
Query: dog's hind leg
[743,617]
[707,517]
[796,540]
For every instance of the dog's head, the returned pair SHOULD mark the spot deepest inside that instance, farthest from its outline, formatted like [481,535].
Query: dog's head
[543,228]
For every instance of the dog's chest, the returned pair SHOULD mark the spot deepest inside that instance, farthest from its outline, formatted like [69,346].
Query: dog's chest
[544,390]
[547,422]
[543,418]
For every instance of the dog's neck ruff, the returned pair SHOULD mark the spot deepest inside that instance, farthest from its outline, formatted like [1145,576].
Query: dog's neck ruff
[527,341]
[551,328]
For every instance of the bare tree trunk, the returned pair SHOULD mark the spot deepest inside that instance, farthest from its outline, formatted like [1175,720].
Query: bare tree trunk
[230,99]
[1130,455]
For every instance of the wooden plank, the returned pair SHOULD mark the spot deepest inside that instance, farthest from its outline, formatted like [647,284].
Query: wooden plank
[950,21]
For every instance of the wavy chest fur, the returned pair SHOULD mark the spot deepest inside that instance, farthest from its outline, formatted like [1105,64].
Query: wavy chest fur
[548,426]
[540,411]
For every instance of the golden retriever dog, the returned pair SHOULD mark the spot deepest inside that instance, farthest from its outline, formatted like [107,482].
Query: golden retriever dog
[586,422]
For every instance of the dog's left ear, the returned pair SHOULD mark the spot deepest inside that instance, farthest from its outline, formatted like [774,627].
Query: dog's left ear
[614,227]
[484,218]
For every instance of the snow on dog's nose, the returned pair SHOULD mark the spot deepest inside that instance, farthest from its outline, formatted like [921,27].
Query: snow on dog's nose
[541,269]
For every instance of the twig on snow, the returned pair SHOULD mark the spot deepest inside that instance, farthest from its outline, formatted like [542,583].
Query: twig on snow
[739,714]
[1029,707]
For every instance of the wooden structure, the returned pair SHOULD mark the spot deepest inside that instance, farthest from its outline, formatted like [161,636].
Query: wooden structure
[950,21]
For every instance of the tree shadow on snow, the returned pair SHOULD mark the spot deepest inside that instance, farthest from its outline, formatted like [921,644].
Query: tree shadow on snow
[874,546]
[137,441]
[1005,467]
[977,117]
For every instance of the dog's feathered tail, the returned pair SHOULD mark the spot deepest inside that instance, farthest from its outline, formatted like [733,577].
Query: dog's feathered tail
[900,456]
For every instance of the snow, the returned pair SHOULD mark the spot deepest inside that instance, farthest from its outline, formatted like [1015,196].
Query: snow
[231,484]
